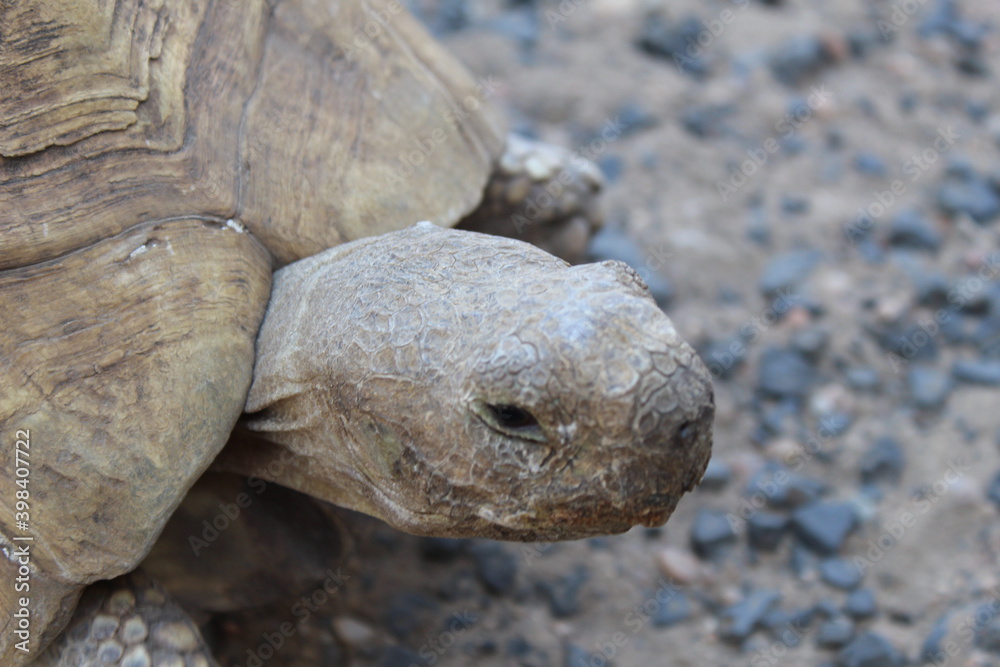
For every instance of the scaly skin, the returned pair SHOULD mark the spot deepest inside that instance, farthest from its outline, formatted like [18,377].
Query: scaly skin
[542,194]
[377,397]
[129,622]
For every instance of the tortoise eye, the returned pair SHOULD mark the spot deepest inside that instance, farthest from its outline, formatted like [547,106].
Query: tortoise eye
[511,420]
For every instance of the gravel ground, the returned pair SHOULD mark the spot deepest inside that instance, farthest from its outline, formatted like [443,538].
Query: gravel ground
[812,190]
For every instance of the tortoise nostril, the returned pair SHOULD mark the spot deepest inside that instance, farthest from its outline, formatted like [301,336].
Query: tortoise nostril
[686,430]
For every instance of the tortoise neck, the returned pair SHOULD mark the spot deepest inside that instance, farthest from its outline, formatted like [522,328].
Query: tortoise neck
[255,457]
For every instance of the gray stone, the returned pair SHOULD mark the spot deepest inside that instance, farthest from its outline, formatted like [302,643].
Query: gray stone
[824,526]
[869,650]
[785,373]
[741,619]
[711,533]
[840,573]
[834,632]
[883,461]
[981,371]
[929,387]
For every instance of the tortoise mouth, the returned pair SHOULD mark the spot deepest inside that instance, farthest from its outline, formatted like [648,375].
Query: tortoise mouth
[577,520]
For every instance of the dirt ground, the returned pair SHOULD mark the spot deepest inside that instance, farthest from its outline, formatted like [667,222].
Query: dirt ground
[769,138]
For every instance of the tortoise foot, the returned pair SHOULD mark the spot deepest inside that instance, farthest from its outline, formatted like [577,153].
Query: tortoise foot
[129,622]
[543,194]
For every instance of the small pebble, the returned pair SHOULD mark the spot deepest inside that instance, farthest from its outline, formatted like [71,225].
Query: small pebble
[993,491]
[612,167]
[717,475]
[835,632]
[495,566]
[988,636]
[563,594]
[870,164]
[840,573]
[869,650]
[678,565]
[883,461]
[982,371]
[577,656]
[929,387]
[406,611]
[399,656]
[785,372]
[765,530]
[788,626]
[723,357]
[788,271]
[909,342]
[353,632]
[931,288]
[783,488]
[794,204]
[798,59]
[706,121]
[862,378]
[801,561]
[824,526]
[931,651]
[675,610]
[635,117]
[969,194]
[519,647]
[811,341]
[711,533]
[910,229]
[664,38]
[860,604]
[741,619]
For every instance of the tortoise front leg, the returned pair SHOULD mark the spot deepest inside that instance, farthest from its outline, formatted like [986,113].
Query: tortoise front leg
[542,194]
[129,622]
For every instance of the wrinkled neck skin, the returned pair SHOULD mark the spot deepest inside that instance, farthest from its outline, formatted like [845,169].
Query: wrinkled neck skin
[456,384]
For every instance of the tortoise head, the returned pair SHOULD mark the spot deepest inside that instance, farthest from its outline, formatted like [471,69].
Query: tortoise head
[457,384]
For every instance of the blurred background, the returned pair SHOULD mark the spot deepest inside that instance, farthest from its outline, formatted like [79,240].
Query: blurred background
[811,189]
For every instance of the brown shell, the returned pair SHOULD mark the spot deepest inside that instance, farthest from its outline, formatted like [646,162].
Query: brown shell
[139,142]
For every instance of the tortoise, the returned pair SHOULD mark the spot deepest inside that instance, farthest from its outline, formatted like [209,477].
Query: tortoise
[208,219]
